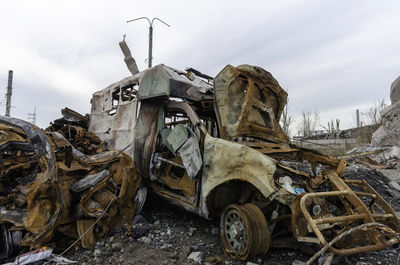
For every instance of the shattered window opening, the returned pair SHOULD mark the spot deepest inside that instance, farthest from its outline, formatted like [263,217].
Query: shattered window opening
[115,101]
[173,119]
[115,97]
[211,126]
[129,93]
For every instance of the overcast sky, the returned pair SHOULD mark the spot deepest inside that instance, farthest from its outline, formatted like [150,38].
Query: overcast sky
[331,56]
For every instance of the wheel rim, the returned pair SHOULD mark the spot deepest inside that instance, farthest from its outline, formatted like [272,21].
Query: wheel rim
[235,231]
[234,228]
[244,231]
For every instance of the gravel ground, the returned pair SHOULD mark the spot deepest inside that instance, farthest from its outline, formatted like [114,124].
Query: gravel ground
[164,234]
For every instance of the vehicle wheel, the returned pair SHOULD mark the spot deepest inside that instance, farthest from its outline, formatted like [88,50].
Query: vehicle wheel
[260,231]
[244,231]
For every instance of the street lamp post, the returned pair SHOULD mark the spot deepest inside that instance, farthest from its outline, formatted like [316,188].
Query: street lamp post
[150,35]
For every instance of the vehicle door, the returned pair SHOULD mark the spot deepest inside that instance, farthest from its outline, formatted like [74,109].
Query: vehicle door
[176,162]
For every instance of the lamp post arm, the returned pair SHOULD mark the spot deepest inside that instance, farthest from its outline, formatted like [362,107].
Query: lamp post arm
[150,59]
[156,18]
[150,22]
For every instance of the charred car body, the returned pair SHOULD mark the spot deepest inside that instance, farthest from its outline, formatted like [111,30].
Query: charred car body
[61,184]
[214,146]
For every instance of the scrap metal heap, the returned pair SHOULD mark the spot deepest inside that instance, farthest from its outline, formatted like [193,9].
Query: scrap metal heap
[215,147]
[56,184]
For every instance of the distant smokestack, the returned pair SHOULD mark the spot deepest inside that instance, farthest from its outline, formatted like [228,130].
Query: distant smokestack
[358,117]
[9,92]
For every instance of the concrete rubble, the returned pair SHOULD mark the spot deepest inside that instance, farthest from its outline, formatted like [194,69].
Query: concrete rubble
[384,150]
[395,91]
[389,132]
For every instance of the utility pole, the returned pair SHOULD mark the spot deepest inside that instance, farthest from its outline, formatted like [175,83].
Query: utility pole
[32,116]
[358,118]
[9,92]
[150,35]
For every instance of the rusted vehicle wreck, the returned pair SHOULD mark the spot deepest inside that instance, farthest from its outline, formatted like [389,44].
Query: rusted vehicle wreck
[214,146]
[61,184]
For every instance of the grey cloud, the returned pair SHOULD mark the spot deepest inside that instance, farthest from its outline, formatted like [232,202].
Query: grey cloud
[331,55]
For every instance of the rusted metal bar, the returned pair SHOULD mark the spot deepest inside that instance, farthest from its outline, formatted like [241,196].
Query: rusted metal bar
[325,193]
[168,161]
[357,203]
[378,199]
[308,217]
[353,181]
[348,232]
[339,219]
[350,218]
[383,216]
[365,194]
[360,207]
[356,250]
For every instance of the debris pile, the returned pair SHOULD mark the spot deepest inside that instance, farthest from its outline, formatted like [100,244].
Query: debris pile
[389,132]
[383,185]
[378,157]
[166,234]
[60,185]
[384,150]
[395,90]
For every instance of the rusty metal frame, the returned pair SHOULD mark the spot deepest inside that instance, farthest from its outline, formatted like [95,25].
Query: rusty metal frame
[363,214]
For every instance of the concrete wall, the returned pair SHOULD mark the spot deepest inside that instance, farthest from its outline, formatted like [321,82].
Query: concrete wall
[334,147]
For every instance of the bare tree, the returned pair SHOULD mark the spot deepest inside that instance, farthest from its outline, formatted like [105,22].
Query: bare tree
[333,128]
[373,113]
[286,120]
[308,122]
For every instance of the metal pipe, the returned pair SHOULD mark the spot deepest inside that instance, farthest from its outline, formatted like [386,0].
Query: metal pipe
[350,218]
[150,45]
[365,194]
[9,92]
[168,161]
[355,250]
